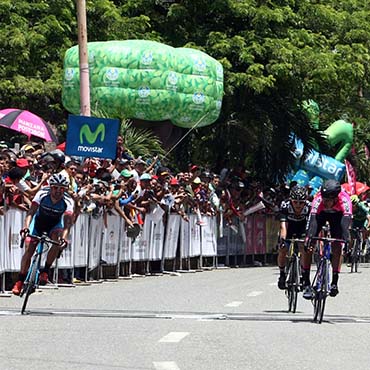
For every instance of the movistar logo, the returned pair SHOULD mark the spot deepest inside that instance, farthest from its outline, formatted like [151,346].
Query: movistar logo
[91,136]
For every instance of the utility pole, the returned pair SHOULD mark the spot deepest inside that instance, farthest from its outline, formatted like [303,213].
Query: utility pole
[84,60]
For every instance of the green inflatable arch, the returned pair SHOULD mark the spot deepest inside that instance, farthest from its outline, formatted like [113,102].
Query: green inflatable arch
[147,80]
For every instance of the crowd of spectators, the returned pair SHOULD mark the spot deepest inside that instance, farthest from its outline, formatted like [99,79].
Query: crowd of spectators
[131,187]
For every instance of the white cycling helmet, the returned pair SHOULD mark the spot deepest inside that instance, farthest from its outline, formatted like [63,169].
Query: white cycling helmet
[59,179]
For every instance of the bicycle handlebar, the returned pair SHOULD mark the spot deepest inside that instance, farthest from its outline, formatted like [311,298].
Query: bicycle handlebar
[43,238]
[326,239]
[293,240]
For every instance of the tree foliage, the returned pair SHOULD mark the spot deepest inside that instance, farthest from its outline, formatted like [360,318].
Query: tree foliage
[275,55]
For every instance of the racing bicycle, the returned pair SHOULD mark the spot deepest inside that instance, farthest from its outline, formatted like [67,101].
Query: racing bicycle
[32,278]
[321,281]
[293,273]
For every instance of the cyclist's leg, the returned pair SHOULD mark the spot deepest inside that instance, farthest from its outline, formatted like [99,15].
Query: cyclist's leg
[307,260]
[306,267]
[30,245]
[29,250]
[336,232]
[53,252]
[281,263]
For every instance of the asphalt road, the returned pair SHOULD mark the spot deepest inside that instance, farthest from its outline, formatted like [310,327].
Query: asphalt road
[222,319]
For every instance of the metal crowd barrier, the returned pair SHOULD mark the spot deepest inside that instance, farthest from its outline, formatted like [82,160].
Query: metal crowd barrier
[173,246]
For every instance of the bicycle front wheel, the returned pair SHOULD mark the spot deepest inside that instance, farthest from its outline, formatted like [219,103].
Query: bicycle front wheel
[30,283]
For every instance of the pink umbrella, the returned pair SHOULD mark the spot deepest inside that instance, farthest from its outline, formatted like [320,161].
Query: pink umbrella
[26,123]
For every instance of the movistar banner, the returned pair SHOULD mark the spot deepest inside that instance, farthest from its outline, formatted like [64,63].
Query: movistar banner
[92,137]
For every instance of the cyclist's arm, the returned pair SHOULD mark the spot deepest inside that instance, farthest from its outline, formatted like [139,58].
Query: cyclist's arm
[283,230]
[31,212]
[311,226]
[67,222]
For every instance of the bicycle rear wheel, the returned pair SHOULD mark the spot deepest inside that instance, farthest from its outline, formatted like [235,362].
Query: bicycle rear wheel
[289,285]
[355,256]
[293,283]
[320,293]
[324,290]
[30,284]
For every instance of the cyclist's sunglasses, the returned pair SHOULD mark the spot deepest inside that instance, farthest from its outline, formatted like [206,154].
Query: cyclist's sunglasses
[298,201]
[61,188]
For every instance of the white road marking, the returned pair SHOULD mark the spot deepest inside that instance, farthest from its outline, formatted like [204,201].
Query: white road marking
[254,294]
[272,284]
[165,365]
[174,337]
[234,304]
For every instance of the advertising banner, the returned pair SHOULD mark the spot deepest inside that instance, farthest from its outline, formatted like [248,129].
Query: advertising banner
[91,137]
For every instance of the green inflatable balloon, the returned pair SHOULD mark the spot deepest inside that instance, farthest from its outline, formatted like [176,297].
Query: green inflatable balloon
[147,80]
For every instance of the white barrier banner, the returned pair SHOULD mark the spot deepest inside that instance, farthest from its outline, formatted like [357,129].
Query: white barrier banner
[223,241]
[209,244]
[80,234]
[172,236]
[157,241]
[13,253]
[184,238]
[156,237]
[2,245]
[139,246]
[111,239]
[125,244]
[96,229]
[66,259]
[194,245]
[157,214]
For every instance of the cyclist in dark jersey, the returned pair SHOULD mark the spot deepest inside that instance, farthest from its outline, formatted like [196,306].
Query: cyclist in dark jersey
[51,212]
[361,213]
[332,205]
[361,217]
[293,220]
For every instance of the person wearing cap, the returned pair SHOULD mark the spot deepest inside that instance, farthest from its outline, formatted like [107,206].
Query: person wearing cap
[145,194]
[139,168]
[120,164]
[180,197]
[125,196]
[16,176]
[27,149]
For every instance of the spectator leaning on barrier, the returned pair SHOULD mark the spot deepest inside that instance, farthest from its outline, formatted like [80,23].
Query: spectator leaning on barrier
[179,196]
[16,178]
[139,168]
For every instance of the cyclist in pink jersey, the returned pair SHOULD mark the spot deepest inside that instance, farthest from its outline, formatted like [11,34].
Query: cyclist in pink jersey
[331,205]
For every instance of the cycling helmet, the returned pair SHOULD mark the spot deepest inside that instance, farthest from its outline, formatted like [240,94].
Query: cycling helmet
[59,179]
[330,189]
[298,193]
[58,155]
[355,199]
